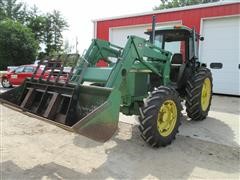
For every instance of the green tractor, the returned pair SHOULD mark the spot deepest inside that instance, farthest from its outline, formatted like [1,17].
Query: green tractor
[149,78]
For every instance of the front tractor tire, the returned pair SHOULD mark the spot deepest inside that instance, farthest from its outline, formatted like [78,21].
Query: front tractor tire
[199,94]
[160,117]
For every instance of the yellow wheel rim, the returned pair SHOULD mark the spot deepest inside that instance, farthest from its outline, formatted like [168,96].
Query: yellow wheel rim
[167,118]
[206,94]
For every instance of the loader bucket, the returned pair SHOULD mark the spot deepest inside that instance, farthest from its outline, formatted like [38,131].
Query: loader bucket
[58,96]
[91,111]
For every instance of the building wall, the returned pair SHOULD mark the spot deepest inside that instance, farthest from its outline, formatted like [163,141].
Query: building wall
[190,18]
[197,17]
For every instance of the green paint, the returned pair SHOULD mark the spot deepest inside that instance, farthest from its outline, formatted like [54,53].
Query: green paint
[120,87]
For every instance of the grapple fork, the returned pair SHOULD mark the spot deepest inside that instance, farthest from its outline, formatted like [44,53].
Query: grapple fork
[87,110]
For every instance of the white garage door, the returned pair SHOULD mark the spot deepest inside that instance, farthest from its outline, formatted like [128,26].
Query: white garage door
[221,51]
[119,36]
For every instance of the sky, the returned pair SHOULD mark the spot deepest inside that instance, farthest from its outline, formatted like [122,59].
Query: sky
[79,14]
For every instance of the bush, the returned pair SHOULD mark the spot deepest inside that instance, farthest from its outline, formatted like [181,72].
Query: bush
[17,44]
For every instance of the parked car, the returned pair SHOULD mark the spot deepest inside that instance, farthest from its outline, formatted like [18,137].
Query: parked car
[17,76]
[11,68]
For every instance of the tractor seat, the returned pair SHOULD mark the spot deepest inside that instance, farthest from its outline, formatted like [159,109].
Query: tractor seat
[177,59]
[176,63]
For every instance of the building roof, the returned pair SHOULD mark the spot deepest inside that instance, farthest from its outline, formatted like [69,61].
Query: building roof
[220,3]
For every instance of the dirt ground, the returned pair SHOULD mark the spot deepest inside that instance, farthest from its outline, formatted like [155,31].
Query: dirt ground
[32,149]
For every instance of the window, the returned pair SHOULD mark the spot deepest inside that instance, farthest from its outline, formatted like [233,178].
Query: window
[19,69]
[158,41]
[28,69]
[173,46]
[172,41]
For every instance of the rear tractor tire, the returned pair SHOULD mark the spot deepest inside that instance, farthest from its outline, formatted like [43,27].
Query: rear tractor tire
[160,117]
[199,94]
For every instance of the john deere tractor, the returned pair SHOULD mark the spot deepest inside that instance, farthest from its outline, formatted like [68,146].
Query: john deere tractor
[149,78]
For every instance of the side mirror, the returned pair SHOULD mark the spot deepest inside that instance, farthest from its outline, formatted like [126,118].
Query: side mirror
[201,38]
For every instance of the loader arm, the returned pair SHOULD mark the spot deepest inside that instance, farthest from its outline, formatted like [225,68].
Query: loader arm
[101,50]
[138,49]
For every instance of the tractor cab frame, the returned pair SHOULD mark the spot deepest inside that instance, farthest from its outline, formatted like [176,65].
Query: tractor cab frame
[183,43]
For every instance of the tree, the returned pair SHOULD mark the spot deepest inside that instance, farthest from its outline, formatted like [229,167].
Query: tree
[17,44]
[11,9]
[47,28]
[2,13]
[55,25]
[59,25]
[48,35]
[67,48]
[36,22]
[166,4]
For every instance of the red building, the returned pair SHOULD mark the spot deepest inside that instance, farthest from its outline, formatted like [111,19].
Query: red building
[219,23]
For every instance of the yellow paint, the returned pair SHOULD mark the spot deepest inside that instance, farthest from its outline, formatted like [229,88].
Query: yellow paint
[206,94]
[167,118]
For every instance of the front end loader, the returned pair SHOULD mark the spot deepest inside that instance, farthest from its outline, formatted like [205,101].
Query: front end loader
[144,78]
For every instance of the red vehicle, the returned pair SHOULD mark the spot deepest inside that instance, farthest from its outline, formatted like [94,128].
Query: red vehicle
[18,75]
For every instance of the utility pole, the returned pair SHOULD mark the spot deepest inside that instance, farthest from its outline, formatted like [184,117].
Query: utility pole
[76,45]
